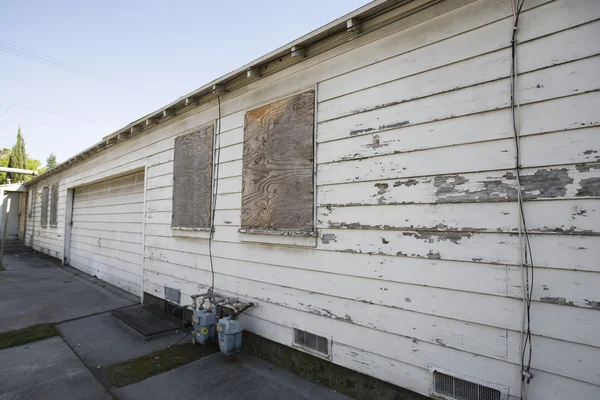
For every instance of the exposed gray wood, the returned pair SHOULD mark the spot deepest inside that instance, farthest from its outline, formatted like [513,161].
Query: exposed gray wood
[277,177]
[192,179]
[54,204]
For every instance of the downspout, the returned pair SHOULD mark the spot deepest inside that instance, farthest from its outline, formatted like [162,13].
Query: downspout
[144,232]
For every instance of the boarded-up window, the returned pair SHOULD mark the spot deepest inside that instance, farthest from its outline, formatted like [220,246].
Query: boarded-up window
[45,195]
[277,176]
[192,179]
[54,205]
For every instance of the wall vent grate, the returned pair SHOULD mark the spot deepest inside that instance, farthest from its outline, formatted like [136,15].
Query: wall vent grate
[172,295]
[310,341]
[451,387]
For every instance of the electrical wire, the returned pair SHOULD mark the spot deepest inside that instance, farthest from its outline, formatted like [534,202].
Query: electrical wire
[59,64]
[55,113]
[524,242]
[215,194]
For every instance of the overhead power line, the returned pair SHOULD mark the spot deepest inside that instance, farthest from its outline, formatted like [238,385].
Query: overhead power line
[60,64]
[55,113]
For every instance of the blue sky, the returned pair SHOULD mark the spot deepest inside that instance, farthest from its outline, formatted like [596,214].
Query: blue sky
[156,50]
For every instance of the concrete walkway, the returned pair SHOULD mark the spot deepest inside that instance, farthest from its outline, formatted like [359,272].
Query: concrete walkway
[35,289]
[47,369]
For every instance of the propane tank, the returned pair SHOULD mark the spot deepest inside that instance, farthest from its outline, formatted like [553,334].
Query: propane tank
[230,335]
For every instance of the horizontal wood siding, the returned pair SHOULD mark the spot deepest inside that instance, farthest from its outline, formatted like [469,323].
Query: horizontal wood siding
[417,258]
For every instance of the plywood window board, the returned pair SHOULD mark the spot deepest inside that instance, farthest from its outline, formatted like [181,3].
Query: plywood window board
[192,180]
[54,204]
[278,167]
[45,198]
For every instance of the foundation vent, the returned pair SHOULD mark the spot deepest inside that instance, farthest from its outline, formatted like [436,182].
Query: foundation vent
[451,386]
[318,345]
[172,295]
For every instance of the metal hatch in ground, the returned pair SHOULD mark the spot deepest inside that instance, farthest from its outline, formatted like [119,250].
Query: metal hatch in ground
[148,320]
[106,231]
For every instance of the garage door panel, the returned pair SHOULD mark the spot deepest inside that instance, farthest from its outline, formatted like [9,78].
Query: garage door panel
[121,208]
[112,227]
[128,237]
[109,193]
[136,217]
[96,261]
[108,201]
[106,234]
[116,254]
[107,273]
[130,181]
[108,243]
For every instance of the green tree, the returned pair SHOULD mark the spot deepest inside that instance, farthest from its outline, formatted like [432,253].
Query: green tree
[51,162]
[18,159]
[4,157]
[34,165]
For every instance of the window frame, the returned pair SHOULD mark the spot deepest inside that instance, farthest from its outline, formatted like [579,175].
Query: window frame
[313,233]
[53,205]
[44,208]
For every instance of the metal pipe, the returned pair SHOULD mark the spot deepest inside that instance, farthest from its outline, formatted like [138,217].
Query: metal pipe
[18,171]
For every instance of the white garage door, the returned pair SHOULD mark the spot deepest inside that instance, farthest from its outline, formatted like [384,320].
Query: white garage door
[106,235]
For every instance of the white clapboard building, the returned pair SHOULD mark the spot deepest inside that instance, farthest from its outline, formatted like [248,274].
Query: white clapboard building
[362,184]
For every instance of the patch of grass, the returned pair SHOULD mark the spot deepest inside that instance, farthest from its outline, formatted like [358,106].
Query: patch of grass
[140,368]
[27,335]
[2,268]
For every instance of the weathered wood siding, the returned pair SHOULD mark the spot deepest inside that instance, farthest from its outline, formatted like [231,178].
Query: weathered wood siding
[417,260]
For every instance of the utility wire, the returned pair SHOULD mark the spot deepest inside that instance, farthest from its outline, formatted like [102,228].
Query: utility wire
[55,113]
[60,64]
[524,243]
[215,194]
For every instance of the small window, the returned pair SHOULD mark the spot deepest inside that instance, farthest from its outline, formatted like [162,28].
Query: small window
[45,195]
[278,167]
[54,204]
[192,179]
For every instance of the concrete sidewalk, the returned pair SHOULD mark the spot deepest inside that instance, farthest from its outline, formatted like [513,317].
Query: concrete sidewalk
[236,377]
[47,369]
[35,289]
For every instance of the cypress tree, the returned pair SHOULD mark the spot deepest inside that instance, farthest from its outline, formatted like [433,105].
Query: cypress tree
[51,162]
[18,159]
